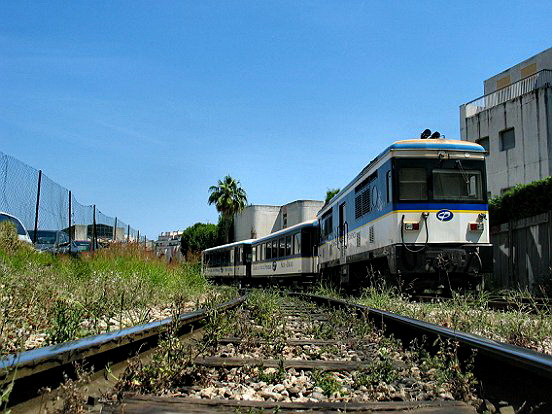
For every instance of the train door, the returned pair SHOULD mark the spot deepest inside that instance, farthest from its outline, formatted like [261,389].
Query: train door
[342,234]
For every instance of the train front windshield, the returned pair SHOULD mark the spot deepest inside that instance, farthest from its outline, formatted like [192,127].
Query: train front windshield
[438,180]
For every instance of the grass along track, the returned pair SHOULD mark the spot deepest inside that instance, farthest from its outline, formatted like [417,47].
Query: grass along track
[518,321]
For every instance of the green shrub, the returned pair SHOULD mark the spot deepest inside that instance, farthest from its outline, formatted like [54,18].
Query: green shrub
[522,201]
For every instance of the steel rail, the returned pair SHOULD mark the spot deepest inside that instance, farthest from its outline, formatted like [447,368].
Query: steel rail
[39,362]
[507,368]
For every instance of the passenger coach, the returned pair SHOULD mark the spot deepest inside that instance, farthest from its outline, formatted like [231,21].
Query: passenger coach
[229,261]
[418,211]
[287,254]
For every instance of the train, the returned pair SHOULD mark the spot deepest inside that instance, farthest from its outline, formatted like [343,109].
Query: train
[416,215]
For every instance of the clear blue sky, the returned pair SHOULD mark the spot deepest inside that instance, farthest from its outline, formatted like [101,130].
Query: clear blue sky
[139,106]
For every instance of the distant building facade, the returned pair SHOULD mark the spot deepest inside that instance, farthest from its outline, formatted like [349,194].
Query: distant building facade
[259,220]
[167,245]
[513,121]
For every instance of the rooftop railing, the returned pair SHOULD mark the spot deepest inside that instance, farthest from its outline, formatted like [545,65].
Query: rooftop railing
[538,80]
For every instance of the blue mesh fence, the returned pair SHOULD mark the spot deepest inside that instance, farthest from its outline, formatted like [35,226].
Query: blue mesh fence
[20,195]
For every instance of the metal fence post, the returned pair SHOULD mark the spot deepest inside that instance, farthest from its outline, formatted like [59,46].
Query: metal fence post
[94,236]
[69,228]
[37,206]
[115,231]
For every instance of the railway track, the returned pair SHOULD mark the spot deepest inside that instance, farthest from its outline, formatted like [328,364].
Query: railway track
[305,352]
[29,373]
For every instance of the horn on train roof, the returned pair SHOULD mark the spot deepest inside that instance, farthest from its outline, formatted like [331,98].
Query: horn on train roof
[425,134]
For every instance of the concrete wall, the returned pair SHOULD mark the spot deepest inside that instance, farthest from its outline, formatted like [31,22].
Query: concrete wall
[526,68]
[258,220]
[531,117]
[255,221]
[297,212]
[522,252]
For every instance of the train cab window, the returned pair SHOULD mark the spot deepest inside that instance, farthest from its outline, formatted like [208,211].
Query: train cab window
[268,250]
[388,179]
[297,243]
[288,246]
[457,185]
[327,226]
[412,184]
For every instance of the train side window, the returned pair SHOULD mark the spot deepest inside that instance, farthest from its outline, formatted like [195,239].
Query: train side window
[288,246]
[297,243]
[412,184]
[389,185]
[261,252]
[254,254]
[240,250]
[268,250]
[274,248]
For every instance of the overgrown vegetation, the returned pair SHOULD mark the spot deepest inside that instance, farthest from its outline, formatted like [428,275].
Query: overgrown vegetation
[395,372]
[47,299]
[524,200]
[470,312]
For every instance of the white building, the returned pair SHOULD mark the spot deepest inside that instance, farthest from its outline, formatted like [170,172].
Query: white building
[168,245]
[259,220]
[513,121]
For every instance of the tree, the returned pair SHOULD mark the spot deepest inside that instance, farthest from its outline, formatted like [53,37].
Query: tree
[331,193]
[199,237]
[229,198]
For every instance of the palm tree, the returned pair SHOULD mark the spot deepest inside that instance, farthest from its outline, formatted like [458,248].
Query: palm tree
[229,198]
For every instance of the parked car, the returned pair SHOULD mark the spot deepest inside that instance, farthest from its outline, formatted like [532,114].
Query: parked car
[21,232]
[53,241]
[84,246]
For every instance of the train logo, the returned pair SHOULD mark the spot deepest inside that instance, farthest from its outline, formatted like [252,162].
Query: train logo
[274,264]
[445,215]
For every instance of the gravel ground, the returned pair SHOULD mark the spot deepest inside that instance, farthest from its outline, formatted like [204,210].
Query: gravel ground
[394,374]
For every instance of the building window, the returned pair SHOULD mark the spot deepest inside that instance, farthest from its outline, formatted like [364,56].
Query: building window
[484,142]
[507,139]
[284,220]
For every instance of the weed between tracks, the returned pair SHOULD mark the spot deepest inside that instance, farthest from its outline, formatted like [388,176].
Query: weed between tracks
[387,371]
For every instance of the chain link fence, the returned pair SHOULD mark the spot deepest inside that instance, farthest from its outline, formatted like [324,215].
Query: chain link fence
[42,204]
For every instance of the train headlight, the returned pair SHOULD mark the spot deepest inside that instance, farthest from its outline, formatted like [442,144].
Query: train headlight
[476,226]
[412,225]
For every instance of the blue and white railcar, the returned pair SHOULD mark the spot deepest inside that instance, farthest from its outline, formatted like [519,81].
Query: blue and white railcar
[286,254]
[229,261]
[418,211]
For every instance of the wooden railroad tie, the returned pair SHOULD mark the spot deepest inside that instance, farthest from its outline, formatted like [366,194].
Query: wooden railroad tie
[139,404]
